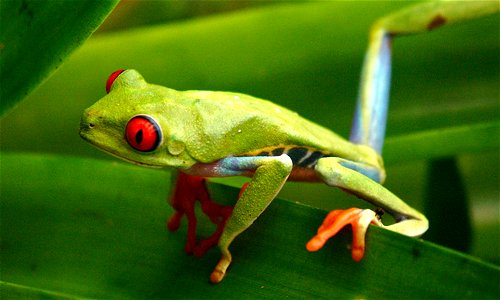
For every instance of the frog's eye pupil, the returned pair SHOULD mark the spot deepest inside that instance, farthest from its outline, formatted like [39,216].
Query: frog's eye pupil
[111,79]
[138,137]
[143,133]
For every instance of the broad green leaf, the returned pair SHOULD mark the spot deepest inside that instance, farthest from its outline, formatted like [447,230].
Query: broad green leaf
[96,229]
[10,290]
[131,14]
[443,142]
[37,36]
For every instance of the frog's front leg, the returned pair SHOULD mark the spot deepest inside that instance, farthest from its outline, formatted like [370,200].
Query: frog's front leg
[189,189]
[269,175]
[349,176]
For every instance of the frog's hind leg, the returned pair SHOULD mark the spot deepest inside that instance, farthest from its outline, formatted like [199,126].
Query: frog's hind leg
[371,111]
[347,176]
[371,114]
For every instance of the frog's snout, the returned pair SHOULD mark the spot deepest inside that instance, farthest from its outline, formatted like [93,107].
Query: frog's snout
[86,124]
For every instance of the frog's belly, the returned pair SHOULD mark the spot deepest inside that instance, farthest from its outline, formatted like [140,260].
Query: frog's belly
[303,174]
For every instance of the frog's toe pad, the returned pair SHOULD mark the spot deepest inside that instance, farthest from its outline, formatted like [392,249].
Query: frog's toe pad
[174,222]
[336,220]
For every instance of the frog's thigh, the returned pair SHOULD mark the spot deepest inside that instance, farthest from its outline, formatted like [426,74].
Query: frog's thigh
[346,175]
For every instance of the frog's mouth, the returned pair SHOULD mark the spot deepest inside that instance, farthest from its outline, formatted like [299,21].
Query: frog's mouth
[130,160]
[89,133]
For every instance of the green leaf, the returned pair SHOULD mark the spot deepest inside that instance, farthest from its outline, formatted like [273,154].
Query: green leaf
[100,233]
[443,142]
[15,291]
[35,38]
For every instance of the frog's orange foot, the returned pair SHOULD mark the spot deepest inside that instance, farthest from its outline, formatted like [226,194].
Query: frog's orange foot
[336,220]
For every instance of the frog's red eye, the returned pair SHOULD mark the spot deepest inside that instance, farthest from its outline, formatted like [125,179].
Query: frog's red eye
[143,133]
[111,79]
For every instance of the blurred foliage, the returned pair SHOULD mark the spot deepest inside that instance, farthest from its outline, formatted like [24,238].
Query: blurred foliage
[132,13]
[305,56]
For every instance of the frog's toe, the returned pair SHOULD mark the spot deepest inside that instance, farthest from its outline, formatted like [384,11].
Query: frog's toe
[175,221]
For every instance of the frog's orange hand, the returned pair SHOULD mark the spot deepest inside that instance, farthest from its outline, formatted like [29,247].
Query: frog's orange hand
[189,189]
[336,220]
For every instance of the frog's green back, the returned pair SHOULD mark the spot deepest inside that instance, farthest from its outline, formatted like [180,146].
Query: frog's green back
[238,124]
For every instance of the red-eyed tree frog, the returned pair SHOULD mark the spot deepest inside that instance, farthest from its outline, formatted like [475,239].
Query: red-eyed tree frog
[216,134]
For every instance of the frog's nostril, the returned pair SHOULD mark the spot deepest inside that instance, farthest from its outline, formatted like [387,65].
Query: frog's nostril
[86,124]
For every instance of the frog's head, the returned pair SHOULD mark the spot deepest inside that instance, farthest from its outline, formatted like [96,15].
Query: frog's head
[133,122]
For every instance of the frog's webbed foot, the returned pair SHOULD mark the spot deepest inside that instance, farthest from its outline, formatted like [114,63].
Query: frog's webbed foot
[355,178]
[188,190]
[336,220]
